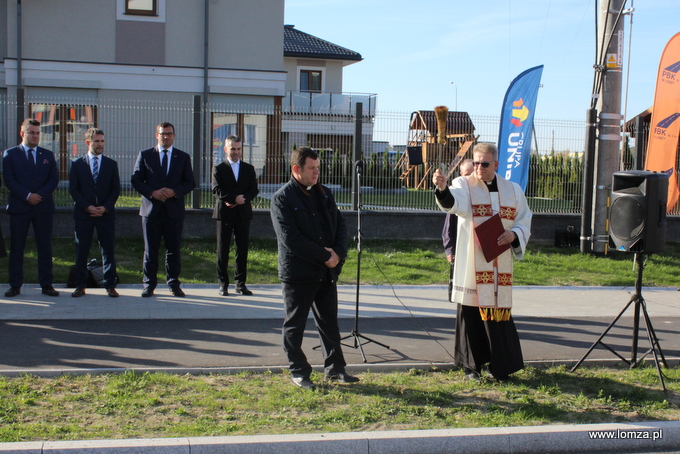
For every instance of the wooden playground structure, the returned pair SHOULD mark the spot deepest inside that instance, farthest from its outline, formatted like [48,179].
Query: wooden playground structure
[436,137]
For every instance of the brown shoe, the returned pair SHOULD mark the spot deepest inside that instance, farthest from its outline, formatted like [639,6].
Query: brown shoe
[112,292]
[80,291]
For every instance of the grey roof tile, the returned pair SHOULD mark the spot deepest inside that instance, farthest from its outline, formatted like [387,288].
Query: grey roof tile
[300,44]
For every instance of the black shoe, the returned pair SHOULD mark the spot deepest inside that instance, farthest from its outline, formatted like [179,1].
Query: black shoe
[13,291]
[243,290]
[342,377]
[303,382]
[147,292]
[49,291]
[176,291]
[224,291]
[80,291]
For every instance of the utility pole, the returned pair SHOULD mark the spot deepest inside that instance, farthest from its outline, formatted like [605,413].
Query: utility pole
[610,46]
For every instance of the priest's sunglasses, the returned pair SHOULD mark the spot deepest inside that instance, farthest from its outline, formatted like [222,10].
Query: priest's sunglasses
[484,164]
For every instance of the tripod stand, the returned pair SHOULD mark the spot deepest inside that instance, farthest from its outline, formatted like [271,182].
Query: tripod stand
[655,348]
[358,343]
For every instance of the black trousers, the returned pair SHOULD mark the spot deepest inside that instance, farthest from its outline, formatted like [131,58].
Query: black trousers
[106,232]
[479,342]
[241,233]
[19,224]
[155,228]
[322,299]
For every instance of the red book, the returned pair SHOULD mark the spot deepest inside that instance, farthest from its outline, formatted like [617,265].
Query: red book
[487,234]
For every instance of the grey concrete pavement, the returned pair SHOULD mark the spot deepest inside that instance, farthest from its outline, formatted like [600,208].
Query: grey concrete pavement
[618,438]
[376,301]
[205,332]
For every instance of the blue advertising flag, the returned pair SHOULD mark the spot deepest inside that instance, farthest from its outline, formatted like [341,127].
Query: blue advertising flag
[517,118]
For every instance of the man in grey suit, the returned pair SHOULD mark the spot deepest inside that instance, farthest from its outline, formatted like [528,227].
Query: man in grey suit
[234,185]
[163,176]
[94,184]
[31,176]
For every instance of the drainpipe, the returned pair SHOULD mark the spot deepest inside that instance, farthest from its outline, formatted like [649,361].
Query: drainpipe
[201,148]
[20,89]
[206,40]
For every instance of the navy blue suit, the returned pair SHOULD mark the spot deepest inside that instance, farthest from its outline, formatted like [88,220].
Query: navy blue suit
[162,218]
[87,192]
[21,182]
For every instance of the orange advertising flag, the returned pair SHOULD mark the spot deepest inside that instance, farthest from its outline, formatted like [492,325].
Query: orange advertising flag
[665,127]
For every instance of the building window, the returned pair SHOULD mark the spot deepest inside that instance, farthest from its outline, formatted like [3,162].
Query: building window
[253,132]
[310,80]
[62,130]
[141,7]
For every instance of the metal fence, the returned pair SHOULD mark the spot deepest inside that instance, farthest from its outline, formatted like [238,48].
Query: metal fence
[270,133]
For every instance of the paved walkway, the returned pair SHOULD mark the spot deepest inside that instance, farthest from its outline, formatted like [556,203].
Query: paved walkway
[205,332]
[202,301]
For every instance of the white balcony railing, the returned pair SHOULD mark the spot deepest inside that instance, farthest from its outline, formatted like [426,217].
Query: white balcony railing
[328,103]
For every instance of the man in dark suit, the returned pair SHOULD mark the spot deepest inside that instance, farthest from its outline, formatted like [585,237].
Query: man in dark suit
[94,184]
[163,176]
[234,185]
[31,176]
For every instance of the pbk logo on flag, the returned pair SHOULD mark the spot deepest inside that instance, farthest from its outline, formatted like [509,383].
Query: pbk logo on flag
[668,74]
[520,113]
[663,125]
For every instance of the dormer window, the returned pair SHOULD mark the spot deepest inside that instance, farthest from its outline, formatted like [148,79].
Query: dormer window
[310,80]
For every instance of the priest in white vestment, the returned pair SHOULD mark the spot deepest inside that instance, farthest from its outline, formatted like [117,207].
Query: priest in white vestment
[485,331]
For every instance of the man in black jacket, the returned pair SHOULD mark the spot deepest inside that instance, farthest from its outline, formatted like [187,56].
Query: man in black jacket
[312,246]
[234,185]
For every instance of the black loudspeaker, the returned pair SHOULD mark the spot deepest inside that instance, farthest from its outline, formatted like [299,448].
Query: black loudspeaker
[637,214]
[415,155]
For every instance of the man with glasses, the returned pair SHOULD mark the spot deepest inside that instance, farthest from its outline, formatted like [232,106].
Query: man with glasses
[163,176]
[485,331]
[31,176]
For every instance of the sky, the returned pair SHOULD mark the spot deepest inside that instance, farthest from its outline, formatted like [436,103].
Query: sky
[465,53]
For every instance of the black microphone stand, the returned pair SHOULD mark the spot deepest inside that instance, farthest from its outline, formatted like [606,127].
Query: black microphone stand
[355,332]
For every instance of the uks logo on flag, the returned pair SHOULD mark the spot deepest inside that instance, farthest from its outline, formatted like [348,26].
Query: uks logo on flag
[520,113]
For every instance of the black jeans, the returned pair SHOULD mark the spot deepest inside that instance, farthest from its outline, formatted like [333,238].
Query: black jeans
[322,298]
[241,232]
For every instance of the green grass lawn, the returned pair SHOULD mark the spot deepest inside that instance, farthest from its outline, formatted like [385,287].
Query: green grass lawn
[383,262]
[158,405]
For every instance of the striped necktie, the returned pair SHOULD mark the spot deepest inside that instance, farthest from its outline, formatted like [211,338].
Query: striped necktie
[95,168]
